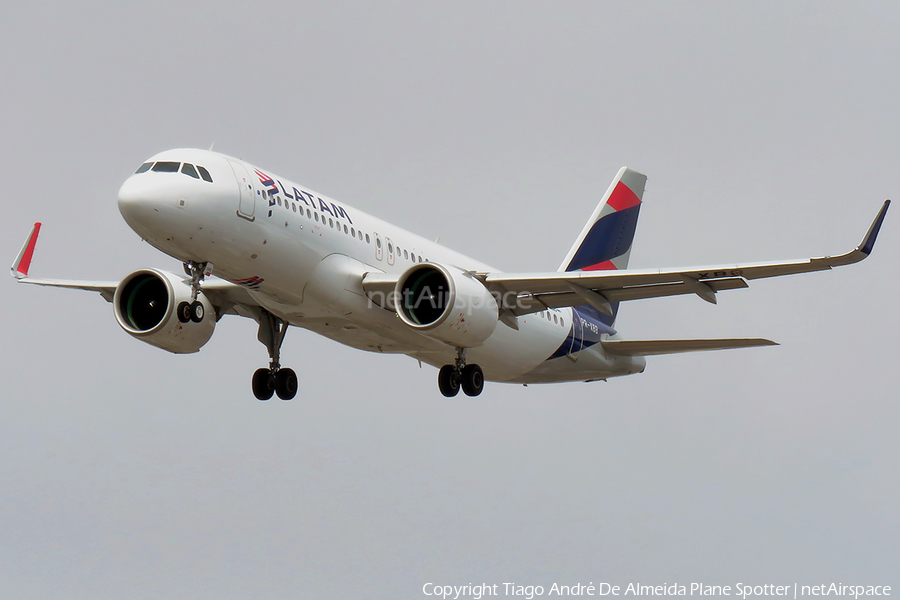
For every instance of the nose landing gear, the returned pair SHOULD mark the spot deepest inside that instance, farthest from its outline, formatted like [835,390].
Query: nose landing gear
[193,310]
[460,375]
[275,379]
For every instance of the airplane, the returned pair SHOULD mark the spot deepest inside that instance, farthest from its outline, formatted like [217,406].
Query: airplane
[286,255]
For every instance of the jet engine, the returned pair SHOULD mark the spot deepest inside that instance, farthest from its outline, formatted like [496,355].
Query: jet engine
[446,304]
[146,304]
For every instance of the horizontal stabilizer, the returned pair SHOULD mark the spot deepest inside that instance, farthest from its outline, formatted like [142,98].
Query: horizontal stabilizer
[649,347]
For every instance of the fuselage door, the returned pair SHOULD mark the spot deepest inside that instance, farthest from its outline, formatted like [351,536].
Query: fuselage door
[248,198]
[379,247]
[577,336]
[390,250]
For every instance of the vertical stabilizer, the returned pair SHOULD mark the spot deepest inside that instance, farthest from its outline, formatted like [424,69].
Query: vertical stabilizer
[605,242]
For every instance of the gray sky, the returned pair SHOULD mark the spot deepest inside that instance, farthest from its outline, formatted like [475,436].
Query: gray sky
[768,130]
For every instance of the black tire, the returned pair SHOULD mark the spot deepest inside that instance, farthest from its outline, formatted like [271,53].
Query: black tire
[472,380]
[286,384]
[448,381]
[184,312]
[263,384]
[198,311]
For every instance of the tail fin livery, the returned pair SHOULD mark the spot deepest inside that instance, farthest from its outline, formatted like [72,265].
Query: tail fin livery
[605,242]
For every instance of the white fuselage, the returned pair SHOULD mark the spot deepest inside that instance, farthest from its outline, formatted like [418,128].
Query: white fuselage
[302,256]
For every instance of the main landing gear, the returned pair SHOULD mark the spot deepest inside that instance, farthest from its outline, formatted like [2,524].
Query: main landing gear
[274,380]
[469,377]
[193,310]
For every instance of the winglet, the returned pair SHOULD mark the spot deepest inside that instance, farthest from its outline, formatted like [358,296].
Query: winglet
[20,268]
[869,241]
[864,248]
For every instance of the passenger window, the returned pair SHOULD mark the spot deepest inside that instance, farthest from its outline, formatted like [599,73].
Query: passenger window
[406,255]
[143,168]
[390,248]
[294,206]
[360,235]
[317,217]
[367,238]
[331,223]
[353,232]
[555,320]
[346,230]
[188,169]
[166,167]
[308,214]
[204,174]
[377,240]
[278,200]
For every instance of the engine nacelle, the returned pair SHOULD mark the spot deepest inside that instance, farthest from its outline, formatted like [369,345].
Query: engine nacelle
[145,303]
[446,304]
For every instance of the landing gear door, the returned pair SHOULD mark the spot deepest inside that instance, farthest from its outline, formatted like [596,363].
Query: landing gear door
[245,184]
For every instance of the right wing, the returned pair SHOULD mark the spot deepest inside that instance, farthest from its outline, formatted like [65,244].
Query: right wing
[227,297]
[22,264]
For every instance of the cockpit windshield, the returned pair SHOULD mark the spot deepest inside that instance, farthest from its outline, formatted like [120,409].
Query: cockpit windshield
[188,169]
[166,167]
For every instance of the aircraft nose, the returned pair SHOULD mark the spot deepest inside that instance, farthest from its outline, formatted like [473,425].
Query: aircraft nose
[130,195]
[140,201]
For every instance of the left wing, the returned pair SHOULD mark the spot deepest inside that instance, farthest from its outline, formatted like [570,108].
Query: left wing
[526,293]
[535,292]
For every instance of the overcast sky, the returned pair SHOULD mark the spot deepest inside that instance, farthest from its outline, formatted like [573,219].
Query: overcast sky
[768,130]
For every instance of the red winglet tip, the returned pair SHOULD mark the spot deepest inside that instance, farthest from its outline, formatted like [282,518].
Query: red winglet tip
[28,251]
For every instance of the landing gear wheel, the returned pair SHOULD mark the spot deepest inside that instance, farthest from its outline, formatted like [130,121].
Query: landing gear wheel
[286,384]
[263,384]
[184,312]
[448,381]
[274,379]
[197,311]
[472,380]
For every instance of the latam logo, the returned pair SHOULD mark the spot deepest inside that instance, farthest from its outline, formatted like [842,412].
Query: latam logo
[252,283]
[274,187]
[267,182]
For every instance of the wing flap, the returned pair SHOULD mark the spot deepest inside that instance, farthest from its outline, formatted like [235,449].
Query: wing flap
[652,347]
